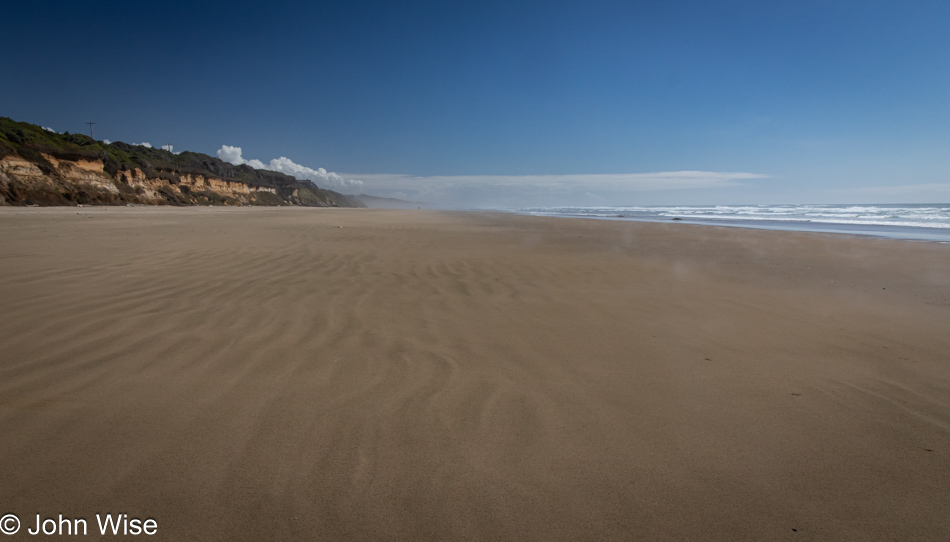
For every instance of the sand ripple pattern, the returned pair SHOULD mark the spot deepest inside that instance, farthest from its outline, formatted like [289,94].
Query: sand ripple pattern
[370,375]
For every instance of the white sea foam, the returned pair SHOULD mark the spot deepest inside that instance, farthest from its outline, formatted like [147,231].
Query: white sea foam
[870,218]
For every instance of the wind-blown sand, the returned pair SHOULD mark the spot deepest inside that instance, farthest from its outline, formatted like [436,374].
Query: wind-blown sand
[255,374]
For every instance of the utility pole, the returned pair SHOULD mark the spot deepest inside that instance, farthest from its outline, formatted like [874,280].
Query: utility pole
[90,128]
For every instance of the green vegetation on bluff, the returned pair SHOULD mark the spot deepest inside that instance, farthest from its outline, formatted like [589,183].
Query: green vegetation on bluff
[30,142]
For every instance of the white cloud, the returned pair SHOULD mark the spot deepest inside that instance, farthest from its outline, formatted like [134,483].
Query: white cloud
[230,154]
[530,190]
[319,176]
[48,129]
[106,141]
[145,144]
[507,190]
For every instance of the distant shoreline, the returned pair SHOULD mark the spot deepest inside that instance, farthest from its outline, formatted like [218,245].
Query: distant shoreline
[901,233]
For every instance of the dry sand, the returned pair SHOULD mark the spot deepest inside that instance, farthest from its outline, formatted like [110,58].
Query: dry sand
[255,374]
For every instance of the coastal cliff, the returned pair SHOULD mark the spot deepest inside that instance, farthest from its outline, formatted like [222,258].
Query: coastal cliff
[41,167]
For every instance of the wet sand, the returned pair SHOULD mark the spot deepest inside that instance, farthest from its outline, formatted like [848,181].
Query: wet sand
[330,374]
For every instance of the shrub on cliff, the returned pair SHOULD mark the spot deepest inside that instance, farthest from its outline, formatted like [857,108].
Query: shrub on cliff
[20,136]
[30,142]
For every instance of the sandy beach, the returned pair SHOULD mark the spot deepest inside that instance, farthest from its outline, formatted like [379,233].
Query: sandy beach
[355,374]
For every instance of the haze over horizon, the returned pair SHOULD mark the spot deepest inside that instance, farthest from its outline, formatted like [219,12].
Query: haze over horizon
[513,104]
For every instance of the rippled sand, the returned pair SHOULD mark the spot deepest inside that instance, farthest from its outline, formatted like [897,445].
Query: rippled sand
[307,374]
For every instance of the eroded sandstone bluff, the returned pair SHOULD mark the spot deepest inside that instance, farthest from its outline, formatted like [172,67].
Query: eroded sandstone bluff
[41,167]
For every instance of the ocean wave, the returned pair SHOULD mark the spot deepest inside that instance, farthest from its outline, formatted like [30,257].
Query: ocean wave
[911,216]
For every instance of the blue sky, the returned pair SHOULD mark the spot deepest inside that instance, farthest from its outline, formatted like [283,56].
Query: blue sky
[514,103]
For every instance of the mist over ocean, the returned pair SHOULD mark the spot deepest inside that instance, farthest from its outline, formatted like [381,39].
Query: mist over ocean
[900,221]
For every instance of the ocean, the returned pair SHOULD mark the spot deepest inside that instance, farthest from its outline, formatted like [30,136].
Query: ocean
[924,222]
